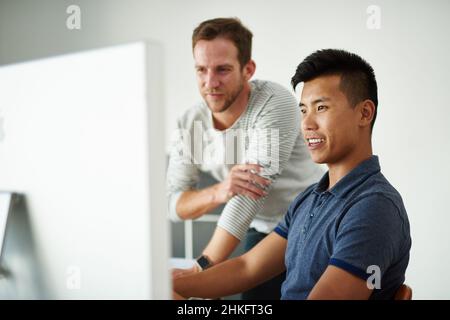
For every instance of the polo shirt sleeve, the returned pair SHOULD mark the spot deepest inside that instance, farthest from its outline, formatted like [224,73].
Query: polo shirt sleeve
[370,234]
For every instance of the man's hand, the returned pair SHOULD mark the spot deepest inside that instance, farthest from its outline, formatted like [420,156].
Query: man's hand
[176,296]
[242,179]
[178,273]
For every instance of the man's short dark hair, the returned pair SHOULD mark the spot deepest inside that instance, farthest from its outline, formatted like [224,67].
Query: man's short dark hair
[358,81]
[229,28]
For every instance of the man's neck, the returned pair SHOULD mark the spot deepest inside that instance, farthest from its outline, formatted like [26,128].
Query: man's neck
[224,120]
[339,170]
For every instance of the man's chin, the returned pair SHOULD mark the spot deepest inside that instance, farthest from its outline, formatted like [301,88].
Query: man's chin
[318,159]
[217,108]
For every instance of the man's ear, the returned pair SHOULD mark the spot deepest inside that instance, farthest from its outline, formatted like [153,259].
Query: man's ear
[367,112]
[249,70]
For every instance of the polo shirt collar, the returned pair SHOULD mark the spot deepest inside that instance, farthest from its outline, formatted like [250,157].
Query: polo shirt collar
[354,178]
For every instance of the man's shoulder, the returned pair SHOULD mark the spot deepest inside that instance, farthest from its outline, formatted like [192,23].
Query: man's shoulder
[272,98]
[378,195]
[265,87]
[380,212]
[378,186]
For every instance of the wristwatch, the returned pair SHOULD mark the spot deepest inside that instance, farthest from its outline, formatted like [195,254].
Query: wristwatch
[203,262]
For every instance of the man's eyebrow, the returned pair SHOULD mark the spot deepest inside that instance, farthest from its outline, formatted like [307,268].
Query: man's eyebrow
[226,65]
[319,100]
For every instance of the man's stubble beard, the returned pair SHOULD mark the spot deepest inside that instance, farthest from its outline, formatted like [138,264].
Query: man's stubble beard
[227,104]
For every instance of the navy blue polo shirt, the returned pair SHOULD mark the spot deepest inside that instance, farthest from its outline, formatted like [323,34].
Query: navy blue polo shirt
[359,223]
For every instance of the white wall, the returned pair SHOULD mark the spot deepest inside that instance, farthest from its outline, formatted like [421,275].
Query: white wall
[409,54]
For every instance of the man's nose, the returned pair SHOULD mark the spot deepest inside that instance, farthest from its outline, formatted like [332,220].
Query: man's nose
[211,80]
[309,122]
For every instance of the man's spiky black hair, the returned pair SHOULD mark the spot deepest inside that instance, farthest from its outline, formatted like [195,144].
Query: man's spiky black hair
[358,81]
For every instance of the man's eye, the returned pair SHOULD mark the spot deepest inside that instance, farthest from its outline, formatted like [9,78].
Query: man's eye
[319,108]
[303,111]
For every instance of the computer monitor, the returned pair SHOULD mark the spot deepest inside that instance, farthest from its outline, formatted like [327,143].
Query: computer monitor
[82,146]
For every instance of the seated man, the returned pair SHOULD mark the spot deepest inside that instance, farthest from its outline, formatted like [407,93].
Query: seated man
[345,237]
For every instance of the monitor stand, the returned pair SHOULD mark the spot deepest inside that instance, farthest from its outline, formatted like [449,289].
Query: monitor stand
[20,270]
[6,201]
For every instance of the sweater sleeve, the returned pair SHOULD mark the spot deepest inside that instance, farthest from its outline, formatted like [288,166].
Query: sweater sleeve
[182,172]
[270,144]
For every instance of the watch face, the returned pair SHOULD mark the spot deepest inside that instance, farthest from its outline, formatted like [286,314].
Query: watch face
[203,262]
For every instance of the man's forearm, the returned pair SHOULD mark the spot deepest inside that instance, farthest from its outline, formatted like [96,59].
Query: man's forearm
[260,264]
[221,280]
[221,246]
[193,204]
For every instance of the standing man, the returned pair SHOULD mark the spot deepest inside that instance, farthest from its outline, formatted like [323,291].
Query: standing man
[259,174]
[345,237]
